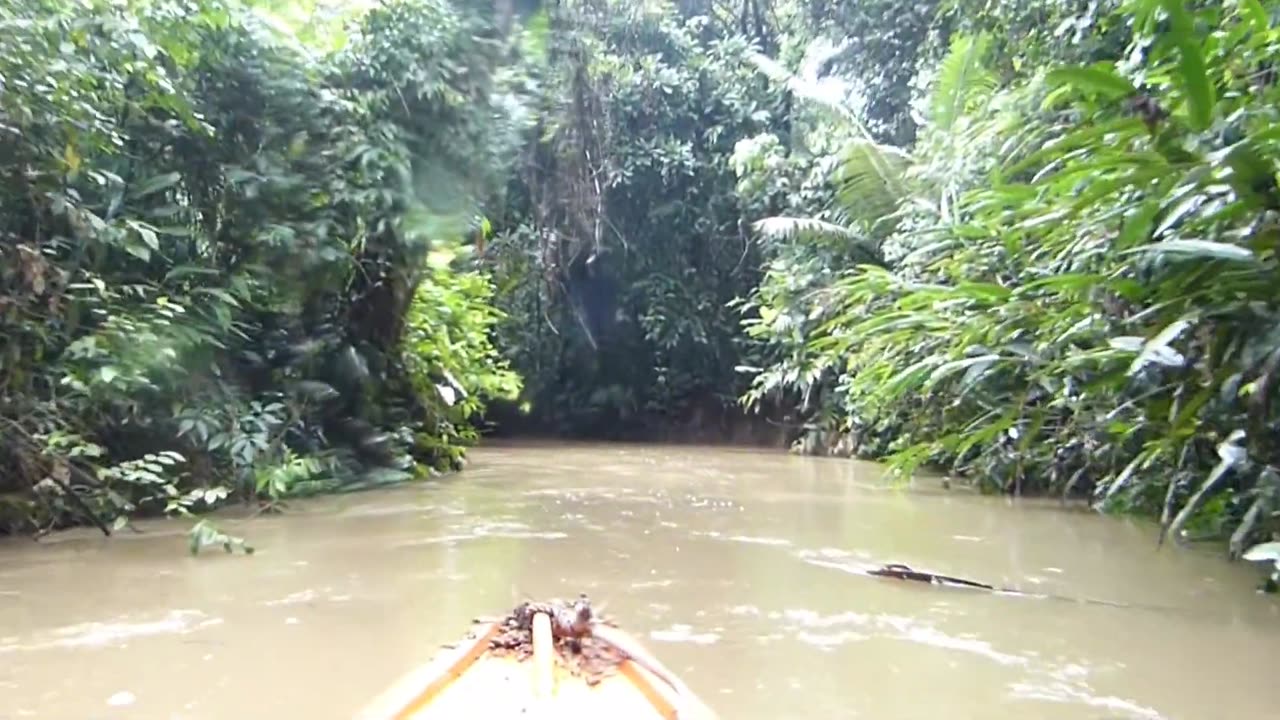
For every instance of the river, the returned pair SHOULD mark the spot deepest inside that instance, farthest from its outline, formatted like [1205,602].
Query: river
[734,565]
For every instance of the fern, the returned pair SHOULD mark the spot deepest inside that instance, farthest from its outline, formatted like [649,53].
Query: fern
[962,80]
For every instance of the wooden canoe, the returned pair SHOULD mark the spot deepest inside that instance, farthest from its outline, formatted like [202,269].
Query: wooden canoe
[470,680]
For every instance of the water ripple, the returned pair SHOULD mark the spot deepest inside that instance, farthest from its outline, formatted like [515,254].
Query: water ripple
[748,539]
[684,633]
[100,634]
[1065,683]
[508,530]
[1062,692]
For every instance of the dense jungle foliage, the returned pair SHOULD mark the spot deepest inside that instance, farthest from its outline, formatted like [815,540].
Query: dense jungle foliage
[224,260]
[1072,283]
[255,249]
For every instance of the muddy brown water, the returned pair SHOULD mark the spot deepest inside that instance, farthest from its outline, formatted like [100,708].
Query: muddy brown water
[733,565]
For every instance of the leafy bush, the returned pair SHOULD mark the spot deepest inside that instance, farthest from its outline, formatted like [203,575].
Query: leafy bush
[451,361]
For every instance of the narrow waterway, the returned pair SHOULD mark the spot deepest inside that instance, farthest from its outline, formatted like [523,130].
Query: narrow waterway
[737,567]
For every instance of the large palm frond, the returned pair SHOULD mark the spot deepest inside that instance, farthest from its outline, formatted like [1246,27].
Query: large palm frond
[869,177]
[782,228]
[870,182]
[788,228]
[830,93]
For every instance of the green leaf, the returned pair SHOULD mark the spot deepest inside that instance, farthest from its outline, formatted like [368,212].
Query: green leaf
[219,293]
[989,292]
[186,270]
[1138,225]
[108,373]
[1204,249]
[1193,71]
[1257,15]
[1252,173]
[137,249]
[147,233]
[1100,78]
[1157,349]
[942,371]
[155,184]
